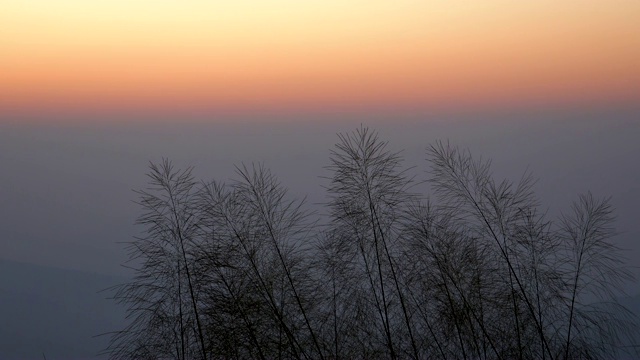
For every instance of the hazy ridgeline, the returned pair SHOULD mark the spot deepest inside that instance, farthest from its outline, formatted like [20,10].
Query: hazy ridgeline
[475,270]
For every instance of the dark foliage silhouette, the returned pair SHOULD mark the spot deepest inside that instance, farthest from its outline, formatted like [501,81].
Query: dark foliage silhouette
[473,271]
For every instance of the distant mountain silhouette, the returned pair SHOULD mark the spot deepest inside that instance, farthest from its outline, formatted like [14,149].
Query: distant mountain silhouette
[55,312]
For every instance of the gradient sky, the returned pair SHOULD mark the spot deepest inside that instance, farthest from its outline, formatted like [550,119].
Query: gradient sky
[253,55]
[92,90]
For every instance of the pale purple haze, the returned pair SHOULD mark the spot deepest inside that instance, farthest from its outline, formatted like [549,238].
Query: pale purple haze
[66,198]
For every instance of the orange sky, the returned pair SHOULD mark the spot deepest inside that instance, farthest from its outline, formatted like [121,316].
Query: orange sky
[170,55]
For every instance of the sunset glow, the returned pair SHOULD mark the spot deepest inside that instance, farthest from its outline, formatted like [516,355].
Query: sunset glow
[174,55]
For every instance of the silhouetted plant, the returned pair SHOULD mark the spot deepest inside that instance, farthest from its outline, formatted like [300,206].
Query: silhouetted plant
[162,299]
[477,271]
[257,237]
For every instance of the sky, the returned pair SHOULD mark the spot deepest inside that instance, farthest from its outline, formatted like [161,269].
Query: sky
[143,58]
[91,91]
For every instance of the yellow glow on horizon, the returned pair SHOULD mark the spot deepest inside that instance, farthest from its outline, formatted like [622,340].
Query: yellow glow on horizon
[169,53]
